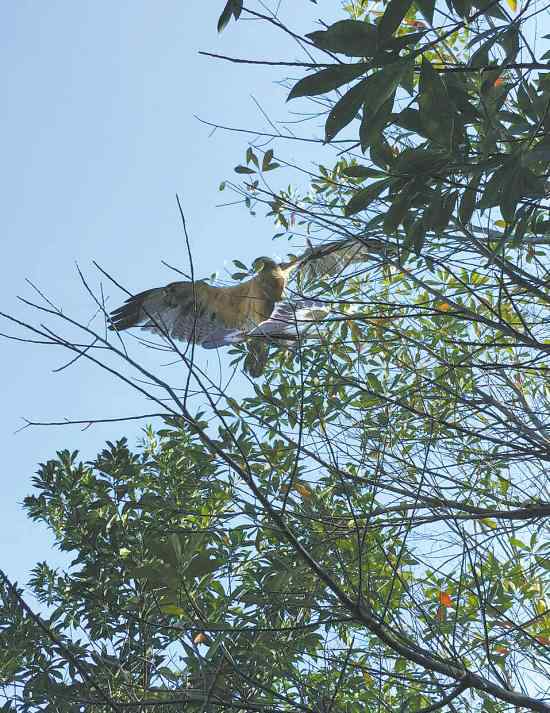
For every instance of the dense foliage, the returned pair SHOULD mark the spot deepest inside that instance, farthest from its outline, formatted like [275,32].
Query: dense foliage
[367,529]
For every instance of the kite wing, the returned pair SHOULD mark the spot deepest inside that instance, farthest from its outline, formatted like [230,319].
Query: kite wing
[195,311]
[334,257]
[288,321]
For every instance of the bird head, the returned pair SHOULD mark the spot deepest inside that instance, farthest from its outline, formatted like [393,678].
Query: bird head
[264,264]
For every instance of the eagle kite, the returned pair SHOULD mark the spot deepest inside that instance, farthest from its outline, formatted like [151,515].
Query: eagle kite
[251,311]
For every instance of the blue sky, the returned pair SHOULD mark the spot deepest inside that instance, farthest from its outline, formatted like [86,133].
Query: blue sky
[97,138]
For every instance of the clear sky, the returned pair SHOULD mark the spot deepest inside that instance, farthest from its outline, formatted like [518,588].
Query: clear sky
[97,135]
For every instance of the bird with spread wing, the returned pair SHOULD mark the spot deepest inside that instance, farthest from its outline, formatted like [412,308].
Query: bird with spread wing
[252,311]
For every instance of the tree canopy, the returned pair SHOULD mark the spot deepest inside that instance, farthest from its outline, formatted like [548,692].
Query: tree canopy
[366,528]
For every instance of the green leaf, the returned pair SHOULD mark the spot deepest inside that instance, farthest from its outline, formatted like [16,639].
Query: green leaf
[437,111]
[541,227]
[202,564]
[468,201]
[490,8]
[350,37]
[326,80]
[509,41]
[372,123]
[392,17]
[431,83]
[427,8]
[480,57]
[492,189]
[268,156]
[233,8]
[413,162]
[458,93]
[345,110]
[363,198]
[439,211]
[518,543]
[243,169]
[417,235]
[411,120]
[538,153]
[381,153]
[251,156]
[463,8]
[398,210]
[361,172]
[374,382]
[172,610]
[510,194]
[444,214]
[382,84]
[398,43]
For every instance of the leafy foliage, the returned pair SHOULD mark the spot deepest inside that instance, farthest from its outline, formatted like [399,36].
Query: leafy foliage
[366,526]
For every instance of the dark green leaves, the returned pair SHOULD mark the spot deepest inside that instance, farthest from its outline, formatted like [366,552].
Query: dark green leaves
[520,183]
[427,8]
[362,199]
[413,162]
[326,80]
[362,39]
[233,8]
[396,213]
[468,201]
[374,91]
[510,43]
[374,121]
[432,85]
[391,19]
[345,110]
[440,210]
[440,119]
[490,8]
[267,162]
[416,236]
[508,185]
[361,172]
[243,169]
[349,37]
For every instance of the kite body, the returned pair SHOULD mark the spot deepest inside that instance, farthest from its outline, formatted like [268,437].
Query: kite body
[251,311]
[213,317]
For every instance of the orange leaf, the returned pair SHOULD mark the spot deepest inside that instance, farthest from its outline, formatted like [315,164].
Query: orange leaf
[444,307]
[201,638]
[498,82]
[445,599]
[502,650]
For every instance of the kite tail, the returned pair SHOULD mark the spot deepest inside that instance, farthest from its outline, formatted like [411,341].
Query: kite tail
[256,358]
